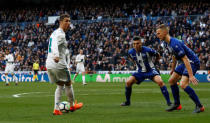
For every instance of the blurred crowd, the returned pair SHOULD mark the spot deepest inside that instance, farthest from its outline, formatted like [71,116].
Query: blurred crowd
[105,39]
[99,9]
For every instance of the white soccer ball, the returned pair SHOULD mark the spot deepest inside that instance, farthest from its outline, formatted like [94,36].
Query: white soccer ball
[64,106]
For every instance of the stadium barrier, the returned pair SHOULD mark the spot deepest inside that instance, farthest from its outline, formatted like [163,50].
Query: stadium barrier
[102,76]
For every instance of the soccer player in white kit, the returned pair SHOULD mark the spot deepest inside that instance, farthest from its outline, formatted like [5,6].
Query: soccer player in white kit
[57,64]
[80,60]
[10,68]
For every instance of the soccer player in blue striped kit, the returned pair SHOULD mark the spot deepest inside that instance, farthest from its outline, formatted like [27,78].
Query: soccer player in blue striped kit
[188,64]
[142,57]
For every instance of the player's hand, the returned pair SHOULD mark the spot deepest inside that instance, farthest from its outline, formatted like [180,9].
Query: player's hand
[171,72]
[193,80]
[56,59]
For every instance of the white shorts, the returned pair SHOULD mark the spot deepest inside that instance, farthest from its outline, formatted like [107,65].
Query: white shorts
[80,69]
[9,68]
[59,75]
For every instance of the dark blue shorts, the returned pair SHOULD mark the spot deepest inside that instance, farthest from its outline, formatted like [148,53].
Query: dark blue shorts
[141,76]
[182,70]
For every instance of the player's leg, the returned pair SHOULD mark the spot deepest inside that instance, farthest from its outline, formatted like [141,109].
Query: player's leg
[68,86]
[33,79]
[174,78]
[36,78]
[7,81]
[35,75]
[157,79]
[14,78]
[7,71]
[70,96]
[58,94]
[69,90]
[128,90]
[135,78]
[69,93]
[185,86]
[57,74]
[54,79]
[76,74]
[83,78]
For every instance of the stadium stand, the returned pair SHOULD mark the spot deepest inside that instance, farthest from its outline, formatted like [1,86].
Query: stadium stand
[104,31]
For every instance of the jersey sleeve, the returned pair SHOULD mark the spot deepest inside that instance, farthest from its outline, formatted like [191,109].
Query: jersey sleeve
[68,58]
[152,52]
[130,55]
[178,50]
[60,38]
[55,51]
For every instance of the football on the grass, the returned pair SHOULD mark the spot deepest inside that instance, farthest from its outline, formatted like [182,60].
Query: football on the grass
[64,106]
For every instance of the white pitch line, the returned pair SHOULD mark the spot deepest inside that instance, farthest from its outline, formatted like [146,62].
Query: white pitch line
[113,92]
[20,94]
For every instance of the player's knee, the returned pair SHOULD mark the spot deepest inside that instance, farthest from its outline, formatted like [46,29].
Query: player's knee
[161,83]
[183,85]
[171,81]
[129,83]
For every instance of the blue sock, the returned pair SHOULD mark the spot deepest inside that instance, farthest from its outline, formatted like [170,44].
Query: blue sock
[193,95]
[165,94]
[175,92]
[128,91]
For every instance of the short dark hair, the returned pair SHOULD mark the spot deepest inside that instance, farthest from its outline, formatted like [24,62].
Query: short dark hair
[136,38]
[64,16]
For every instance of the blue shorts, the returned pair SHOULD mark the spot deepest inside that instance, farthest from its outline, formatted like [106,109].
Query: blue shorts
[182,70]
[141,76]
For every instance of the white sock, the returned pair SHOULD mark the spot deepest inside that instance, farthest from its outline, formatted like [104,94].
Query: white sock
[58,93]
[15,79]
[83,79]
[7,79]
[70,94]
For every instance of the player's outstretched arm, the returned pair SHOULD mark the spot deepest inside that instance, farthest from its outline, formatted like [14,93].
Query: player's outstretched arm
[130,59]
[189,70]
[157,57]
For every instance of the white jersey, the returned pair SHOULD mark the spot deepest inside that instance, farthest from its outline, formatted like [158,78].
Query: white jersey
[9,59]
[57,48]
[9,65]
[80,60]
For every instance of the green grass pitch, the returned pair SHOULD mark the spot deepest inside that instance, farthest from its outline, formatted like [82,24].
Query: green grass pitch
[34,102]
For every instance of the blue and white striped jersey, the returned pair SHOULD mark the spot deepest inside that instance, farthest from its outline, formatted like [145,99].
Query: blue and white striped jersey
[143,59]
